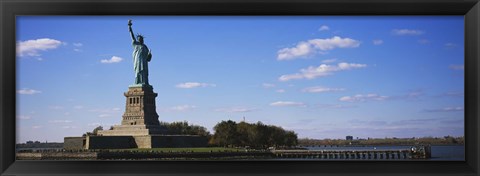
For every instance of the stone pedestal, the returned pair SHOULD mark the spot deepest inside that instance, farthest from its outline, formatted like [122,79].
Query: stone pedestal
[145,142]
[140,106]
[132,130]
[140,117]
[140,127]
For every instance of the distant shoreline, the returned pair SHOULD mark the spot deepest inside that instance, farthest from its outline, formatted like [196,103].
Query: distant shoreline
[447,140]
[373,145]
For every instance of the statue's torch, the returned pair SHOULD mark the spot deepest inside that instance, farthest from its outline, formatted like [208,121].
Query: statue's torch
[129,22]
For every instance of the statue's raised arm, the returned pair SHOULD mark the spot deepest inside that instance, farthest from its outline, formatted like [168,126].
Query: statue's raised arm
[141,56]
[131,31]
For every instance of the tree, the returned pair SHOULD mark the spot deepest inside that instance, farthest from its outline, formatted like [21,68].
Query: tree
[243,138]
[94,132]
[226,133]
[183,128]
[259,135]
[291,139]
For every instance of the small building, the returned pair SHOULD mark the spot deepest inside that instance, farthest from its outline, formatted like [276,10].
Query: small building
[349,138]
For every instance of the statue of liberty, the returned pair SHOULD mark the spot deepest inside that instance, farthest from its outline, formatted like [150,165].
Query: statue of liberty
[141,56]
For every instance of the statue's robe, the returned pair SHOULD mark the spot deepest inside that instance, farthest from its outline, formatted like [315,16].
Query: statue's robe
[141,57]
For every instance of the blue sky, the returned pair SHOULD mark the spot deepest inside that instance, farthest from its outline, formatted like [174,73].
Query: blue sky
[323,77]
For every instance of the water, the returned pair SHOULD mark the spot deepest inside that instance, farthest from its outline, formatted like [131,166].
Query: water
[39,149]
[448,152]
[439,152]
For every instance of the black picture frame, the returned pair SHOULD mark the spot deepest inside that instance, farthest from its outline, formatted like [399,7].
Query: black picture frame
[11,8]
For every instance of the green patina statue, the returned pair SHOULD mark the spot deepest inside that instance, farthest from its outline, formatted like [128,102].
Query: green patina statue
[141,56]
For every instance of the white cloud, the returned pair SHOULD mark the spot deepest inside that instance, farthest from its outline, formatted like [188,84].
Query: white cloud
[28,91]
[377,42]
[114,59]
[324,28]
[235,109]
[106,110]
[32,47]
[362,98]
[446,109]
[457,67]
[302,49]
[334,106]
[268,85]
[280,91]
[189,85]
[287,103]
[78,107]
[310,47]
[183,108]
[415,94]
[104,115]
[69,127]
[450,45]
[60,121]
[36,126]
[452,94]
[55,107]
[320,89]
[423,41]
[77,45]
[290,77]
[328,61]
[320,71]
[24,117]
[104,125]
[94,124]
[407,32]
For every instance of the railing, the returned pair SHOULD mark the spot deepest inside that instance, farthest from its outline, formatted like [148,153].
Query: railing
[419,152]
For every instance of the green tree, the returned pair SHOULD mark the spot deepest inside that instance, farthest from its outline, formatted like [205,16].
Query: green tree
[94,131]
[226,133]
[258,135]
[291,138]
[183,128]
[243,131]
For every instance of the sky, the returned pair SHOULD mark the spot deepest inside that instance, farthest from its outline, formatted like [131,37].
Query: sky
[320,76]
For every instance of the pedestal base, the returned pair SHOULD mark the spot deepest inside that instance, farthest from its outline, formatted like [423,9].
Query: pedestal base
[146,141]
[132,130]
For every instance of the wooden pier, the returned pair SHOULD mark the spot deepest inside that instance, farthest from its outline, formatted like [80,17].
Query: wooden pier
[422,152]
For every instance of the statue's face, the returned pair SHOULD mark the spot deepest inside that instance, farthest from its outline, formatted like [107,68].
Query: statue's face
[140,39]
